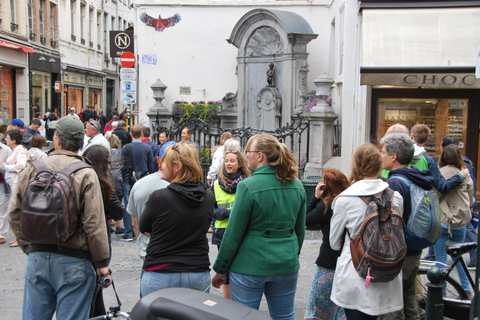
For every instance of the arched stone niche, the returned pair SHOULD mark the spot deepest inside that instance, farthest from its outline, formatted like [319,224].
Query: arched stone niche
[270,36]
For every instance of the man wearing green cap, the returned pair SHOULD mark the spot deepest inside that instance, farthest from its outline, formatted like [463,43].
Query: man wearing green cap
[60,277]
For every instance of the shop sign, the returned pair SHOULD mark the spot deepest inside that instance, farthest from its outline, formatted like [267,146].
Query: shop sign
[58,86]
[95,81]
[120,42]
[74,77]
[424,80]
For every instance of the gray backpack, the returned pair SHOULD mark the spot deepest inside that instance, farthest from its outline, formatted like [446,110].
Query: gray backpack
[424,225]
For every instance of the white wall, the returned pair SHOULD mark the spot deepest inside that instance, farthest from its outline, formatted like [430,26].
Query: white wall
[195,52]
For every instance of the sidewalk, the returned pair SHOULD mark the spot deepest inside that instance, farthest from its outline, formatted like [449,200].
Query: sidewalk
[126,266]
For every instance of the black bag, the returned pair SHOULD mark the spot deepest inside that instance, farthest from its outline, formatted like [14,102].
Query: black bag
[49,213]
[380,248]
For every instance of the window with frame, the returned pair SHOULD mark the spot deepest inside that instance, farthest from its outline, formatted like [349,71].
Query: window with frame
[82,22]
[13,18]
[52,21]
[105,35]
[99,32]
[73,4]
[90,28]
[41,18]
[30,16]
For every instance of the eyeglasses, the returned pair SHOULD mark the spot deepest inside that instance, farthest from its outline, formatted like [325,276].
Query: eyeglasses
[175,146]
[251,151]
[231,151]
[95,125]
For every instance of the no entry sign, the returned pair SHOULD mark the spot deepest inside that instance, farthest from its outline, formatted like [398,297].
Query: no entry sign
[127,59]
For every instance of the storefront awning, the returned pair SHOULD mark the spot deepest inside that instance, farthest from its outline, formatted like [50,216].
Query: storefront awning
[10,45]
[433,37]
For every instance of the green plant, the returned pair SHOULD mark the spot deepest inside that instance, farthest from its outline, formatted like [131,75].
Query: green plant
[201,110]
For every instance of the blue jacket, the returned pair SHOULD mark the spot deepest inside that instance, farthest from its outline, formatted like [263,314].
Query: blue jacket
[473,175]
[423,179]
[440,183]
[143,160]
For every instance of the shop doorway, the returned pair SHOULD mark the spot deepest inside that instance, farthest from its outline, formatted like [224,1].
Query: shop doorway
[453,113]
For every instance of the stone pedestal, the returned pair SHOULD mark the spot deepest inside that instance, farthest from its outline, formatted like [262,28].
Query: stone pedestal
[159,114]
[322,117]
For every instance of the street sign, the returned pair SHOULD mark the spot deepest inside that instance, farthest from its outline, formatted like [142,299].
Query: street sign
[128,74]
[120,42]
[127,59]
[128,91]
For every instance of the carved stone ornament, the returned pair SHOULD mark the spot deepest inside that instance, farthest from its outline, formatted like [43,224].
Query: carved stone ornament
[265,41]
[229,100]
[269,102]
[302,84]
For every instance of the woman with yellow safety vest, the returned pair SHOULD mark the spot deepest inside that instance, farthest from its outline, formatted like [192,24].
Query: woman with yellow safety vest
[233,171]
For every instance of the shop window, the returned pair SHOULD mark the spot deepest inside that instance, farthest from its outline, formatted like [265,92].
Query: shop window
[6,95]
[94,99]
[445,117]
[75,99]
[41,92]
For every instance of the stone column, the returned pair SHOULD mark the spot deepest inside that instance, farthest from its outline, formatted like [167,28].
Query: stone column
[159,114]
[322,117]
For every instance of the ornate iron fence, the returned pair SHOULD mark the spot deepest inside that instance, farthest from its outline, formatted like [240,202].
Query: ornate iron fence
[296,135]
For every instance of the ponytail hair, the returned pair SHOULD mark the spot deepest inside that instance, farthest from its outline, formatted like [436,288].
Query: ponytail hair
[277,154]
[366,162]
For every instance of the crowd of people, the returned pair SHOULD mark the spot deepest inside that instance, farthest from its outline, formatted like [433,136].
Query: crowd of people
[253,203]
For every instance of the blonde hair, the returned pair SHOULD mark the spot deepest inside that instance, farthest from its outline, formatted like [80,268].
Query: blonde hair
[114,141]
[277,154]
[231,144]
[242,164]
[187,155]
[366,162]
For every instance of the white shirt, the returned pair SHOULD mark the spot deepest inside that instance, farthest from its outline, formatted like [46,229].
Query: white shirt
[217,162]
[96,139]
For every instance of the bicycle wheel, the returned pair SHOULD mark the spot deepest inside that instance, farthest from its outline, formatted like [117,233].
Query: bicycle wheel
[456,303]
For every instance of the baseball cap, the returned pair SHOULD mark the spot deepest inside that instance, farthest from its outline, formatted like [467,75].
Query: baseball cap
[67,126]
[17,122]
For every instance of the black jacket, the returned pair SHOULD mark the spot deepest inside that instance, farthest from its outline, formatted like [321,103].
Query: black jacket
[123,135]
[316,214]
[178,218]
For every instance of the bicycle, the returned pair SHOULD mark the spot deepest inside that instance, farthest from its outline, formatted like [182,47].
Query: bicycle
[456,302]
[113,312]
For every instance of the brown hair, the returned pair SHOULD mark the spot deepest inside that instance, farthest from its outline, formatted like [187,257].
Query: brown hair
[366,162]
[420,133]
[277,154]
[335,182]
[242,164]
[99,157]
[114,142]
[187,155]
[451,156]
[146,132]
[38,141]
[226,135]
[136,131]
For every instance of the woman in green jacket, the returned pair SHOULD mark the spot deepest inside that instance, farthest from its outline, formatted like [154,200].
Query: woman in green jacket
[265,232]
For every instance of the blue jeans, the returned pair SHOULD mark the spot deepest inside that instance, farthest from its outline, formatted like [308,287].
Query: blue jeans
[57,283]
[458,235]
[154,281]
[279,292]
[471,236]
[127,219]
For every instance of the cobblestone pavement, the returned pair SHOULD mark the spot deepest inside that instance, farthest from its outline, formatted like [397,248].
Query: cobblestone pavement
[126,267]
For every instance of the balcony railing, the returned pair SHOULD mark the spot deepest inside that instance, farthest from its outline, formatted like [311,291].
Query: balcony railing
[74,37]
[43,40]
[53,43]
[82,41]
[32,36]
[91,44]
[13,26]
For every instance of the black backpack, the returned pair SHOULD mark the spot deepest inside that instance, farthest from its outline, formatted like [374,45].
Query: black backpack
[379,249]
[49,213]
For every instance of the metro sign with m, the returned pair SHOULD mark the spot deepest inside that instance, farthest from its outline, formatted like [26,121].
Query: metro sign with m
[120,42]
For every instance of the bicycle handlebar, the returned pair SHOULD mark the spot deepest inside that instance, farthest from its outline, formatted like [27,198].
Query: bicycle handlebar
[110,316]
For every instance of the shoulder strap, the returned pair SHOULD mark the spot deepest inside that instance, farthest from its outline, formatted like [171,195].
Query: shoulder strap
[74,167]
[39,166]
[128,148]
[405,181]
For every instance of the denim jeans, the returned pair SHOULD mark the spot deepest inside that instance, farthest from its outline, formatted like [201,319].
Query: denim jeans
[154,281]
[127,219]
[458,235]
[471,236]
[57,283]
[279,292]
[353,314]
